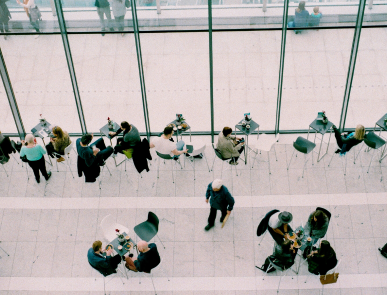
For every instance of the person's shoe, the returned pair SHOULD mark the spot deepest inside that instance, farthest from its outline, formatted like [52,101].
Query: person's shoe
[261,268]
[187,155]
[61,159]
[103,33]
[123,258]
[208,227]
[38,180]
[337,151]
[221,219]
[382,252]
[334,127]
[233,163]
[49,175]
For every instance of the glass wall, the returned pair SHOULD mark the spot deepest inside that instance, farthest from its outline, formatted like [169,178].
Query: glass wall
[247,42]
[7,121]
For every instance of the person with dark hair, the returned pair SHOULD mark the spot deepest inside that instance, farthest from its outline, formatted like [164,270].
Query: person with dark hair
[97,151]
[317,225]
[164,145]
[105,264]
[301,17]
[130,138]
[284,255]
[320,261]
[58,143]
[228,145]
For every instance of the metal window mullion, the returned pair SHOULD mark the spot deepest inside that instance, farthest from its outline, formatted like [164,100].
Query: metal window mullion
[70,64]
[352,63]
[140,67]
[11,97]
[282,64]
[211,60]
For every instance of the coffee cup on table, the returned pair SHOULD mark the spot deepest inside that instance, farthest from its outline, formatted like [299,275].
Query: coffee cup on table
[119,247]
[247,126]
[309,239]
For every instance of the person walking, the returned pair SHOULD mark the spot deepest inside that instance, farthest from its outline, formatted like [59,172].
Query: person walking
[220,199]
[103,8]
[119,11]
[5,16]
[33,13]
[34,153]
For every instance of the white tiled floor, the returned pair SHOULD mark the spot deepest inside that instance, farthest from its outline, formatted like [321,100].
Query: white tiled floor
[47,228]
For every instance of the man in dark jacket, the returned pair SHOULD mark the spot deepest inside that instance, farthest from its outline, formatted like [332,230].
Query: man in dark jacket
[106,265]
[96,151]
[221,200]
[148,258]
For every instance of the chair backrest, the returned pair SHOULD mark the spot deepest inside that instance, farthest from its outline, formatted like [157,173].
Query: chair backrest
[277,267]
[108,227]
[69,148]
[369,139]
[164,156]
[300,148]
[327,213]
[262,227]
[217,153]
[198,151]
[153,219]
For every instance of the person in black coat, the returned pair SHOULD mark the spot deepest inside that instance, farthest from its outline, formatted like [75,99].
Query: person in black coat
[346,142]
[283,256]
[322,260]
[148,258]
[106,265]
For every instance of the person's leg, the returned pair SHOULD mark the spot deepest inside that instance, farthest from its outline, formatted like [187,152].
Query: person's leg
[338,137]
[224,213]
[115,261]
[109,17]
[130,264]
[277,237]
[241,149]
[99,143]
[104,154]
[42,168]
[35,168]
[6,26]
[121,23]
[212,216]
[50,149]
[101,18]
[35,25]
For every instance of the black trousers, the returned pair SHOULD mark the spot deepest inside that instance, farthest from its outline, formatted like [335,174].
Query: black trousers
[115,261]
[211,218]
[240,151]
[39,165]
[50,151]
[338,138]
[121,145]
[104,152]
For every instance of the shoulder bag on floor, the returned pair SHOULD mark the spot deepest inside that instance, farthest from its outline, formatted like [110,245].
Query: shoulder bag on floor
[329,279]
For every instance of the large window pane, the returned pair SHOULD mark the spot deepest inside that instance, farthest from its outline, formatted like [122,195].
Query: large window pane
[41,81]
[7,122]
[246,68]
[108,80]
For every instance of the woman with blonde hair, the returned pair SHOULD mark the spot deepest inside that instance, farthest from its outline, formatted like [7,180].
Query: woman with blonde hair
[34,153]
[346,142]
[58,142]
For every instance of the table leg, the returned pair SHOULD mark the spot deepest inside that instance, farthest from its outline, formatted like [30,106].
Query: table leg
[322,141]
[246,147]
[49,158]
[307,137]
[319,150]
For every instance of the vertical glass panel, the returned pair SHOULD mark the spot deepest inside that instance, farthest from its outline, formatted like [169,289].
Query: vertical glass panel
[108,80]
[375,13]
[368,99]
[7,121]
[246,68]
[177,78]
[41,82]
[315,72]
[34,16]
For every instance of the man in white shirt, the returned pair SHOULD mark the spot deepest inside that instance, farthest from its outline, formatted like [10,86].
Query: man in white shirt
[279,227]
[164,146]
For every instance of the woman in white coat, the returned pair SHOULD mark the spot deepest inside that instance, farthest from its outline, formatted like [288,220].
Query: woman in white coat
[119,11]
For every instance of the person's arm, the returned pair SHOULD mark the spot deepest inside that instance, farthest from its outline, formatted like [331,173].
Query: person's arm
[112,134]
[230,201]
[176,152]
[31,3]
[208,192]
[234,150]
[22,151]
[319,233]
[89,156]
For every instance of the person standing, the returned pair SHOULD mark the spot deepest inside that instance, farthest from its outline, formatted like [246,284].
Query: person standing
[220,199]
[5,16]
[34,153]
[119,11]
[33,13]
[103,8]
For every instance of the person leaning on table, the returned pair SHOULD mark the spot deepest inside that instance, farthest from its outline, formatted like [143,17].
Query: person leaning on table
[58,143]
[320,261]
[228,146]
[346,142]
[148,258]
[317,225]
[105,264]
[279,227]
[129,139]
[34,153]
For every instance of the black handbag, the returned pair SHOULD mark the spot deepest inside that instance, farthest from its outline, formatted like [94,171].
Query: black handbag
[24,159]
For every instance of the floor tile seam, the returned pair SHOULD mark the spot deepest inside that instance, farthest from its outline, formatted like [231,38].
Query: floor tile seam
[346,281]
[170,202]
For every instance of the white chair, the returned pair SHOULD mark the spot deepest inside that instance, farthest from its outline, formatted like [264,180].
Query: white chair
[263,143]
[67,151]
[109,226]
[195,153]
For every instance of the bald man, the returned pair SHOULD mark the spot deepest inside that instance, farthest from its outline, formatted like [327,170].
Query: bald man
[220,199]
[148,258]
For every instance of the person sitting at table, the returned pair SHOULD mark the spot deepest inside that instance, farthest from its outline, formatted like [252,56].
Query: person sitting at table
[106,265]
[228,145]
[346,142]
[34,154]
[322,260]
[58,143]
[164,146]
[284,255]
[279,227]
[129,139]
[148,258]
[95,152]
[317,225]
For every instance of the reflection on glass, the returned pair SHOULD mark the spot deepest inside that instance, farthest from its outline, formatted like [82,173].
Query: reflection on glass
[7,123]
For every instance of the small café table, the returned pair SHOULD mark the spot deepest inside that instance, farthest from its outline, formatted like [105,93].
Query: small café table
[42,130]
[382,127]
[302,241]
[319,127]
[115,243]
[253,126]
[182,130]
[105,131]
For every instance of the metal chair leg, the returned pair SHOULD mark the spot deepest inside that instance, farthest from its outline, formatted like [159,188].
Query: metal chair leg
[291,159]
[213,163]
[331,160]
[371,161]
[207,162]
[4,169]
[158,167]
[303,169]
[173,180]
[262,238]
[4,250]
[160,240]
[256,154]
[275,153]
[268,157]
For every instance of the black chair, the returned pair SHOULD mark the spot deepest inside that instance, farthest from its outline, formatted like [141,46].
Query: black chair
[149,228]
[219,155]
[303,146]
[262,227]
[374,142]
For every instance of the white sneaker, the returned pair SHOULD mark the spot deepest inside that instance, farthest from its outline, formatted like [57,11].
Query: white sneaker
[37,36]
